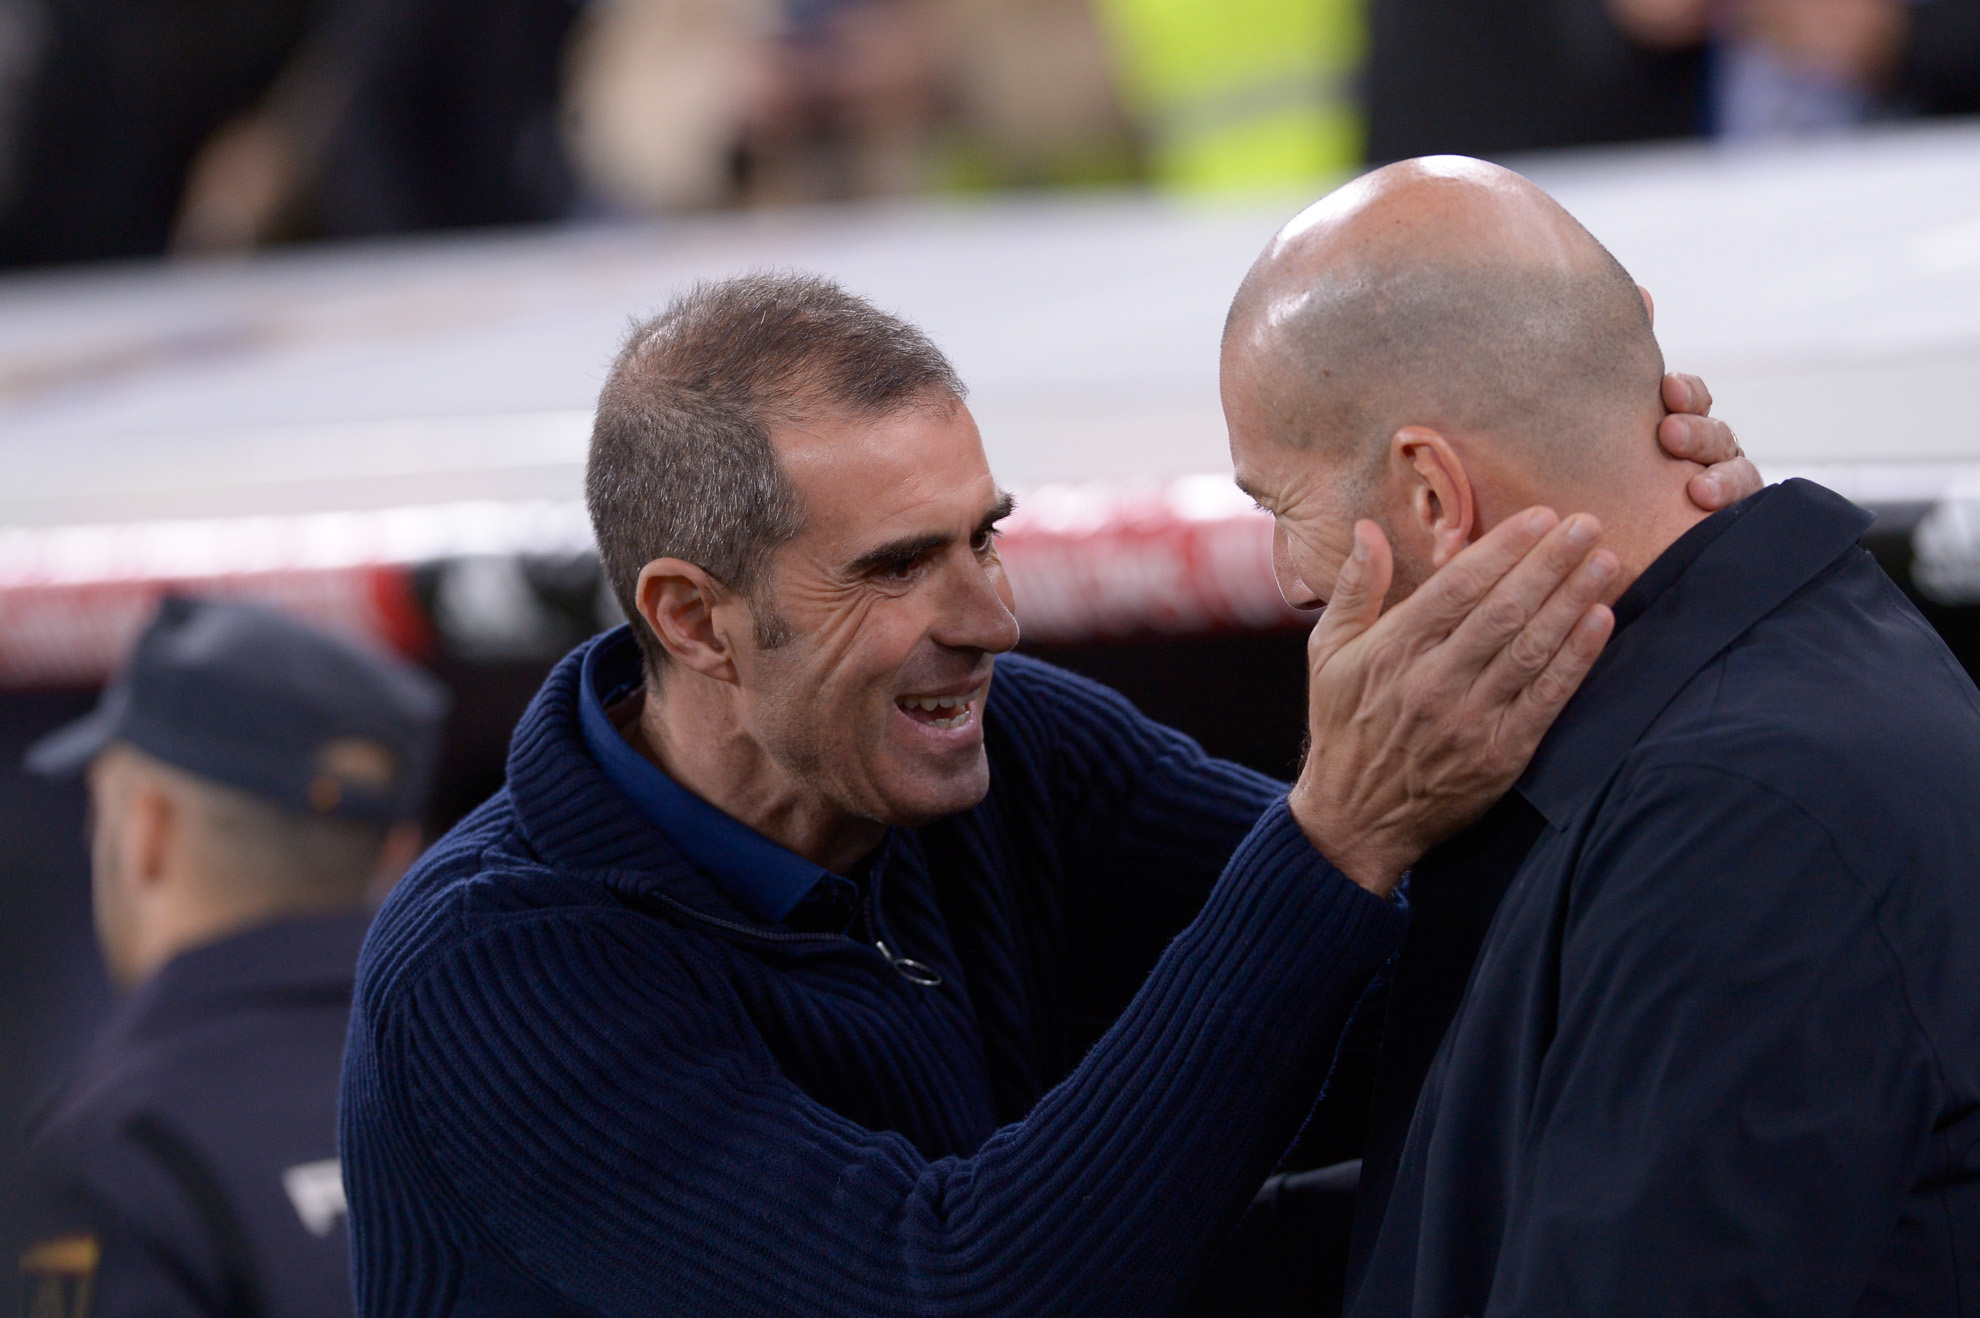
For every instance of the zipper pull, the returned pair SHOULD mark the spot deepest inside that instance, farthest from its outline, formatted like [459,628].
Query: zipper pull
[912,971]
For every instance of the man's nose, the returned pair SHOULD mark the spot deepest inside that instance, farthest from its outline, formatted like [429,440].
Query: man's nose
[974,614]
[1291,585]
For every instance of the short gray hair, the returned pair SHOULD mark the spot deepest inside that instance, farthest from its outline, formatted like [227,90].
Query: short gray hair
[249,844]
[681,464]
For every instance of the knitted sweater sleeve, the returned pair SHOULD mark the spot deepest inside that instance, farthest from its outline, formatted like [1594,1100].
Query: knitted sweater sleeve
[1144,819]
[609,1125]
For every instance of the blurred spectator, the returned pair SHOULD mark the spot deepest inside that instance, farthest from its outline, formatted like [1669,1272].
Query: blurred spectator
[657,94]
[1799,66]
[222,124]
[238,121]
[451,117]
[252,782]
[1519,75]
[846,102]
[121,96]
[1241,93]
[681,104]
[23,34]
[1035,94]
[686,104]
[1452,75]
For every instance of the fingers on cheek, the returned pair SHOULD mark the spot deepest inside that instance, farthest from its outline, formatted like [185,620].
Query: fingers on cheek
[1468,582]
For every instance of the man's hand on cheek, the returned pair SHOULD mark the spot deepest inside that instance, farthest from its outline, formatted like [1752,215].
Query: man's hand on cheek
[1423,716]
[1691,432]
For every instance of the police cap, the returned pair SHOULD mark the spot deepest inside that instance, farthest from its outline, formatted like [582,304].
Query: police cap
[242,695]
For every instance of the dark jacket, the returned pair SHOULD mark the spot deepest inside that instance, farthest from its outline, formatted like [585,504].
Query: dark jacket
[1721,1048]
[581,1081]
[197,1145]
[1496,77]
[1499,77]
[1939,68]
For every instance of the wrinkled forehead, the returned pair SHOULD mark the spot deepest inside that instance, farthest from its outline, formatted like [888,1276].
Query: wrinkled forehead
[1271,410]
[863,476]
[1272,470]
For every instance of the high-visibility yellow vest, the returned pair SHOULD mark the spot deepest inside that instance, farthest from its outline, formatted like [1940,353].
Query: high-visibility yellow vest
[1238,95]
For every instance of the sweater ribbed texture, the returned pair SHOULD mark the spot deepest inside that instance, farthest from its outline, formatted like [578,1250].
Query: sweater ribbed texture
[579,1081]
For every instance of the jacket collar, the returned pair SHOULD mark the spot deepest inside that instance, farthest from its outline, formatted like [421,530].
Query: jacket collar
[576,820]
[310,956]
[1783,538]
[765,879]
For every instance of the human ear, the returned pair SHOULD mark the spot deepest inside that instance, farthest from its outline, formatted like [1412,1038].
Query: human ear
[153,826]
[679,601]
[1441,503]
[1649,307]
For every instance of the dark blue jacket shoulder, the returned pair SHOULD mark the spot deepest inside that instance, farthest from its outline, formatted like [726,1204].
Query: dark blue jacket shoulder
[197,1145]
[1725,1011]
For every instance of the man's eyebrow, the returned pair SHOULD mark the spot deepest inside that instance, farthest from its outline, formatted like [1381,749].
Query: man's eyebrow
[908,548]
[903,550]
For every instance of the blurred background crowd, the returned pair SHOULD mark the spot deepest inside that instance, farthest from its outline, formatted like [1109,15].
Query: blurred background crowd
[134,129]
[138,127]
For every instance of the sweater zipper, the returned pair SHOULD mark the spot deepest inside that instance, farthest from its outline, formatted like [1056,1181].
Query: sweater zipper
[909,969]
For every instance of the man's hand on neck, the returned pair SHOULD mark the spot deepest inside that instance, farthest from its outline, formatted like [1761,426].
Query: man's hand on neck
[689,729]
[1424,714]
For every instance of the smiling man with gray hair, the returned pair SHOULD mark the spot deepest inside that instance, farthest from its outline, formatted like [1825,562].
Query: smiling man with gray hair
[821,956]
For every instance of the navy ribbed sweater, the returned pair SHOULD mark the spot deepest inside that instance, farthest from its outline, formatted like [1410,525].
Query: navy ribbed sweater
[581,1081]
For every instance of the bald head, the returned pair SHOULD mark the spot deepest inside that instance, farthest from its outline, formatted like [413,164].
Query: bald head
[1447,293]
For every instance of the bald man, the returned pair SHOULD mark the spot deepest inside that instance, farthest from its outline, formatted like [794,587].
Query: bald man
[1690,1021]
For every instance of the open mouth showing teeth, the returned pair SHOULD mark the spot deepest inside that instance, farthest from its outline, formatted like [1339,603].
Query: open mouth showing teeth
[941,711]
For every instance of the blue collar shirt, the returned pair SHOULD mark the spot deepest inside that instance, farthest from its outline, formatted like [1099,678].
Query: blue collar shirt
[772,883]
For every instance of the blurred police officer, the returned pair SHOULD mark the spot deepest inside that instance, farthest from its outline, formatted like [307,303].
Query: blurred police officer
[252,784]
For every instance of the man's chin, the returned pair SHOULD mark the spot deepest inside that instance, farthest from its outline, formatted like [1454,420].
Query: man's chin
[932,797]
